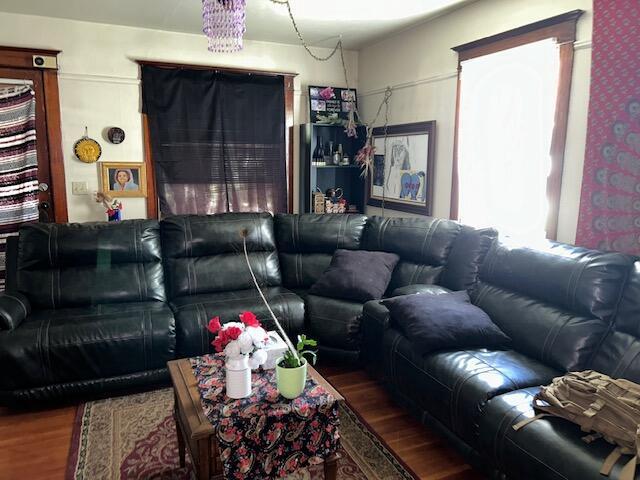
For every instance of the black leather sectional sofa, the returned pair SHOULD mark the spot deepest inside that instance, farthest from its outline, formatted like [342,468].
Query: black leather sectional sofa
[565,309]
[99,309]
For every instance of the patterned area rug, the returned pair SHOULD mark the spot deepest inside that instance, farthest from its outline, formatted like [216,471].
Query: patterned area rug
[134,437]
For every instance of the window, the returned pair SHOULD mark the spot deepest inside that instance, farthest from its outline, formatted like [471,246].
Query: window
[511,126]
[216,139]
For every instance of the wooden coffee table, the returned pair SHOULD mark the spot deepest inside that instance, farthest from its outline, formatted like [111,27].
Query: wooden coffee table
[196,433]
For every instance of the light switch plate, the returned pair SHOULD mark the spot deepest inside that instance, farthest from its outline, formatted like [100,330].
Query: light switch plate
[79,188]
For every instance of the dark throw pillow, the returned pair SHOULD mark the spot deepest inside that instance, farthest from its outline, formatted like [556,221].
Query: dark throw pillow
[444,322]
[357,275]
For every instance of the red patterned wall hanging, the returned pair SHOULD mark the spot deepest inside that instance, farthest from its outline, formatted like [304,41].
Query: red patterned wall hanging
[610,203]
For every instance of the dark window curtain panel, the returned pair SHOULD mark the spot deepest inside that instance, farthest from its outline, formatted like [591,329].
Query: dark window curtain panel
[218,140]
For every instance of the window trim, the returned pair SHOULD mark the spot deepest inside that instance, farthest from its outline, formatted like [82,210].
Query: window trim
[153,210]
[562,28]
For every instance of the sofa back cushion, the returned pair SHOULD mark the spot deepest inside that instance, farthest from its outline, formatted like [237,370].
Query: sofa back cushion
[204,253]
[619,354]
[465,259]
[423,245]
[431,250]
[306,243]
[555,301]
[71,265]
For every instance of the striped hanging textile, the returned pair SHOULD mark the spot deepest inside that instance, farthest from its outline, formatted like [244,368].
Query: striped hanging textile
[18,165]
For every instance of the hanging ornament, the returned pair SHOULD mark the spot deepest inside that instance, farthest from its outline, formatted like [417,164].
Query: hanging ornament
[223,22]
[87,149]
[365,156]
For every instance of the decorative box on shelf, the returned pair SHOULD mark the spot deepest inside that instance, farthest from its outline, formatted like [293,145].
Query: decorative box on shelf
[275,349]
[318,202]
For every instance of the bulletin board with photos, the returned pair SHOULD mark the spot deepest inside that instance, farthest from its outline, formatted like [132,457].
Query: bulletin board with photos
[330,105]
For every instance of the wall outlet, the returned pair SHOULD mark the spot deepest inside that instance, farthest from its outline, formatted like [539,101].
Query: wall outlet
[79,188]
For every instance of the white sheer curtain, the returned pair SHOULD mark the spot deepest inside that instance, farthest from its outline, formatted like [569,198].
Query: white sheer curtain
[507,105]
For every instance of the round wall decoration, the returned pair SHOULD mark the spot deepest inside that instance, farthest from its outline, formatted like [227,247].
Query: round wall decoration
[115,135]
[87,149]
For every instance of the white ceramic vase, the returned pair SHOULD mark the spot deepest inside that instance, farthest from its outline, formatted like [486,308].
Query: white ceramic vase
[238,377]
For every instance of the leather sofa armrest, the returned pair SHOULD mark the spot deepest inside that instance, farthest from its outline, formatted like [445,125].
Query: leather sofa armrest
[420,288]
[14,308]
[376,313]
[375,322]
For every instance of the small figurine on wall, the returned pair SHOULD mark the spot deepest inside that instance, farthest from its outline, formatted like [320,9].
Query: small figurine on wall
[113,206]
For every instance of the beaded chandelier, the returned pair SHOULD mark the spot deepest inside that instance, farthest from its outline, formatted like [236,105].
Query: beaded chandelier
[223,22]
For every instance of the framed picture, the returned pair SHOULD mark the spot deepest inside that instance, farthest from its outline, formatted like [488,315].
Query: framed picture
[402,175]
[125,179]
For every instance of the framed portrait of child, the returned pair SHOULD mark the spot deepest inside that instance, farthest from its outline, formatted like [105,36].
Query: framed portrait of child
[124,179]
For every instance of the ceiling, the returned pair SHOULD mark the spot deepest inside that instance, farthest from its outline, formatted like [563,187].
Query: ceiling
[321,21]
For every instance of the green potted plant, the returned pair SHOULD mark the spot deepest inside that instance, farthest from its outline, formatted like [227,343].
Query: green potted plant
[291,369]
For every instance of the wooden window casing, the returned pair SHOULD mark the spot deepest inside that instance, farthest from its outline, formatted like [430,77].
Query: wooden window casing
[152,198]
[562,28]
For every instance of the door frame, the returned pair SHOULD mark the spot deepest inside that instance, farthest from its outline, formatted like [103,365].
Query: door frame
[20,58]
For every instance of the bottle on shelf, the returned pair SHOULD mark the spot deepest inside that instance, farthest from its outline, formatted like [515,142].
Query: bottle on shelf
[337,156]
[340,155]
[328,154]
[318,153]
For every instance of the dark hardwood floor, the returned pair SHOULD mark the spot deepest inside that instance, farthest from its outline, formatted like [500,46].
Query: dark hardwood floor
[34,445]
[425,452]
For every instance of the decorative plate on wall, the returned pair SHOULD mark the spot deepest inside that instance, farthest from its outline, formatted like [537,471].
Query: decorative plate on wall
[115,135]
[87,149]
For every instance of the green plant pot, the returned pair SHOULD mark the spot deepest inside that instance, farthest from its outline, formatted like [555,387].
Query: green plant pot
[291,381]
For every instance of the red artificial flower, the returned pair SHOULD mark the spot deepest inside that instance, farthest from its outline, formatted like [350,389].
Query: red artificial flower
[219,343]
[249,319]
[214,325]
[232,333]
[225,335]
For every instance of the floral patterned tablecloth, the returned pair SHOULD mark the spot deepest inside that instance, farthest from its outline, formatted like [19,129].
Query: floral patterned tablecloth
[266,436]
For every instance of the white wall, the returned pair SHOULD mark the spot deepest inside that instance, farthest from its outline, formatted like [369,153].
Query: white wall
[421,64]
[99,86]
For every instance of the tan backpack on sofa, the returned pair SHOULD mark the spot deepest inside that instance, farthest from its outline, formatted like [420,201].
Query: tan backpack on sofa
[600,404]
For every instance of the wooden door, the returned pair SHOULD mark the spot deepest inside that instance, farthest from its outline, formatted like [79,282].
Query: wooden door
[45,198]
[29,64]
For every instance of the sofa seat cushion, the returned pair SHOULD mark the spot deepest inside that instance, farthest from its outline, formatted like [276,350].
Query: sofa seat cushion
[548,448]
[454,386]
[194,312]
[86,343]
[301,292]
[334,322]
[420,288]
